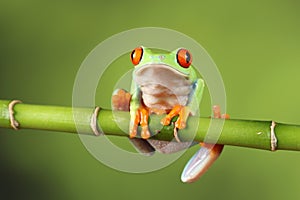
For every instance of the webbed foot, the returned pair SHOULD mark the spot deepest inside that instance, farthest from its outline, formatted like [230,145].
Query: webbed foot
[120,100]
[141,118]
[182,112]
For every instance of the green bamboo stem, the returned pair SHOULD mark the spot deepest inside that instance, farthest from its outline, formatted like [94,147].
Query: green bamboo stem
[243,133]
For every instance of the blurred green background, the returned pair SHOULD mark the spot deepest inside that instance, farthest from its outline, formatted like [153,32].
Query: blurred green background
[255,44]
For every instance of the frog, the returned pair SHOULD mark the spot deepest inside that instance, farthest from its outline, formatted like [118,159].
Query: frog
[163,84]
[166,83]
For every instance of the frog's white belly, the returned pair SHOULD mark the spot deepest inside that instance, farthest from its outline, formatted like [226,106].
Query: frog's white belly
[163,87]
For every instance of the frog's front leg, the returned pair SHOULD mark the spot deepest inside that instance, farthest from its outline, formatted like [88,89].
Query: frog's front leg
[134,123]
[139,114]
[140,117]
[182,112]
[121,101]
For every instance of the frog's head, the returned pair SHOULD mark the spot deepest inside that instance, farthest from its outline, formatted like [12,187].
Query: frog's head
[177,62]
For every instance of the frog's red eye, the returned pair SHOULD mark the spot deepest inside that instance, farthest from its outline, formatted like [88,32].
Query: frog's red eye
[184,58]
[136,55]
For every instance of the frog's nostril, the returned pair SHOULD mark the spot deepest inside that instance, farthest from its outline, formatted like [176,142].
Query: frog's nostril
[161,57]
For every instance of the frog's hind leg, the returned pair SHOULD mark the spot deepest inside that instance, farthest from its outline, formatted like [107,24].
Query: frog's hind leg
[200,162]
[168,147]
[204,157]
[142,146]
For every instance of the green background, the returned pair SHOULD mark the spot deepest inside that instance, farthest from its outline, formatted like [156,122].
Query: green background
[255,45]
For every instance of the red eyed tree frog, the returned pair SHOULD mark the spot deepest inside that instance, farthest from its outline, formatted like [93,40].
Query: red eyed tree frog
[163,83]
[166,83]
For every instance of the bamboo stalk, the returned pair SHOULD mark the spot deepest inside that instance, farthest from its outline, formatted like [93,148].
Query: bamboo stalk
[243,133]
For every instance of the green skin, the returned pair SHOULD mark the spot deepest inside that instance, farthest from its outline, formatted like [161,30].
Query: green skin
[175,77]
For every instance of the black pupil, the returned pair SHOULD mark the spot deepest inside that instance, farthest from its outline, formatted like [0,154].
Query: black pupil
[132,54]
[187,57]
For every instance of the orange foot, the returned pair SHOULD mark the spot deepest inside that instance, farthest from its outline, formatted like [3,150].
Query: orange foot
[141,117]
[121,100]
[217,113]
[182,112]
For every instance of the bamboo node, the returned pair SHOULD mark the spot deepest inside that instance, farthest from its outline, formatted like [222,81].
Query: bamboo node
[273,137]
[13,122]
[93,124]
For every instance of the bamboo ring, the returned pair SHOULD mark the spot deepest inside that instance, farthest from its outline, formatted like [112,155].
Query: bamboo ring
[13,122]
[94,125]
[273,137]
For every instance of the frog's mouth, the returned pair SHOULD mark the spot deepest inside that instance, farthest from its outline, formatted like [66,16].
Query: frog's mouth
[160,74]
[154,68]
